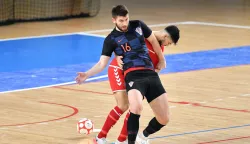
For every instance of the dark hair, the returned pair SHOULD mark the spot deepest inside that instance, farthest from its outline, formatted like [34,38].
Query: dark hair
[119,10]
[174,32]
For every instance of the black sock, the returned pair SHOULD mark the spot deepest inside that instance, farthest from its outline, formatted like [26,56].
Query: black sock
[131,142]
[133,127]
[152,127]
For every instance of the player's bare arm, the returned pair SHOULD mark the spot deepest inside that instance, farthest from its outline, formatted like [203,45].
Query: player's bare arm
[156,46]
[97,68]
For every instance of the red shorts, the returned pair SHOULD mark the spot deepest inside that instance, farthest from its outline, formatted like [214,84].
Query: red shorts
[116,77]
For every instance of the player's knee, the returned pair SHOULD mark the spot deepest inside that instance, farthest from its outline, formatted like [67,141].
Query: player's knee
[123,106]
[122,100]
[136,109]
[164,119]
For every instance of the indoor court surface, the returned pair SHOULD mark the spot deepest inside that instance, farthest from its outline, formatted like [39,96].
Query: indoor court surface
[207,76]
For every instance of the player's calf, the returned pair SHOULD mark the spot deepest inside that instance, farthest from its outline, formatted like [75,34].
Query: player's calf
[153,127]
[133,127]
[161,109]
[135,101]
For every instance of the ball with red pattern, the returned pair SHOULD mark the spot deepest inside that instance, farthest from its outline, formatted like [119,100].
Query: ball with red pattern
[85,126]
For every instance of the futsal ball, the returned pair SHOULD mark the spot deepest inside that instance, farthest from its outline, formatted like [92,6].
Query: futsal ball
[85,126]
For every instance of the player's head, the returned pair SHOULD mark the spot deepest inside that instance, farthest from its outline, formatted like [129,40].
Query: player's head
[169,35]
[120,17]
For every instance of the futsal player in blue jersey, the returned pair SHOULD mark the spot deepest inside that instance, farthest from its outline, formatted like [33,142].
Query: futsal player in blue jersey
[127,40]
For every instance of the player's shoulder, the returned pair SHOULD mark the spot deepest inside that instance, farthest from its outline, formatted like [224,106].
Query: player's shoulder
[107,38]
[110,37]
[113,34]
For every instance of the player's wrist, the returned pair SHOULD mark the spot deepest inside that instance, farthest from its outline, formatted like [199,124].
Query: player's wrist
[87,74]
[162,59]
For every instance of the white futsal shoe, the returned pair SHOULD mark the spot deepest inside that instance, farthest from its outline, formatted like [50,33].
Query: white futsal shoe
[100,140]
[124,142]
[141,139]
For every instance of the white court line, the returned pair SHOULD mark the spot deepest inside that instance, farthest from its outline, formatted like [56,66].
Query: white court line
[41,36]
[178,23]
[44,123]
[96,130]
[172,107]
[202,102]
[105,30]
[67,83]
[64,120]
[89,33]
[218,25]
[21,126]
[152,26]
[245,95]
[4,128]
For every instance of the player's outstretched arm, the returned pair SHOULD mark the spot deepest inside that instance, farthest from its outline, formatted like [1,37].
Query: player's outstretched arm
[97,68]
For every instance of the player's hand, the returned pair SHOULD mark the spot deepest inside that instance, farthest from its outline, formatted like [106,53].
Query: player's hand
[161,65]
[157,70]
[81,77]
[119,61]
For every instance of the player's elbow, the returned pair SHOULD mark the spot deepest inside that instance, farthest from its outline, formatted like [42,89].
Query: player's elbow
[102,64]
[103,61]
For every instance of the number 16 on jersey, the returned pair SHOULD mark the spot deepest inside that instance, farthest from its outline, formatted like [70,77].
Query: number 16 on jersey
[126,47]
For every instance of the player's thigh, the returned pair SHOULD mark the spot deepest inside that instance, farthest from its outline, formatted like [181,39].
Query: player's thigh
[160,108]
[157,98]
[116,79]
[155,88]
[137,84]
[117,85]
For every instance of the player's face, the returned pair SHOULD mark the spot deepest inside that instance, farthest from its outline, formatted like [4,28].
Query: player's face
[121,22]
[166,39]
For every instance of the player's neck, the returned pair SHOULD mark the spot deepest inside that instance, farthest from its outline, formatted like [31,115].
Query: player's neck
[119,29]
[157,35]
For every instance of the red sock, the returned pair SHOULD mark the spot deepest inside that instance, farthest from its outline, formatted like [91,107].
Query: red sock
[112,118]
[124,133]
